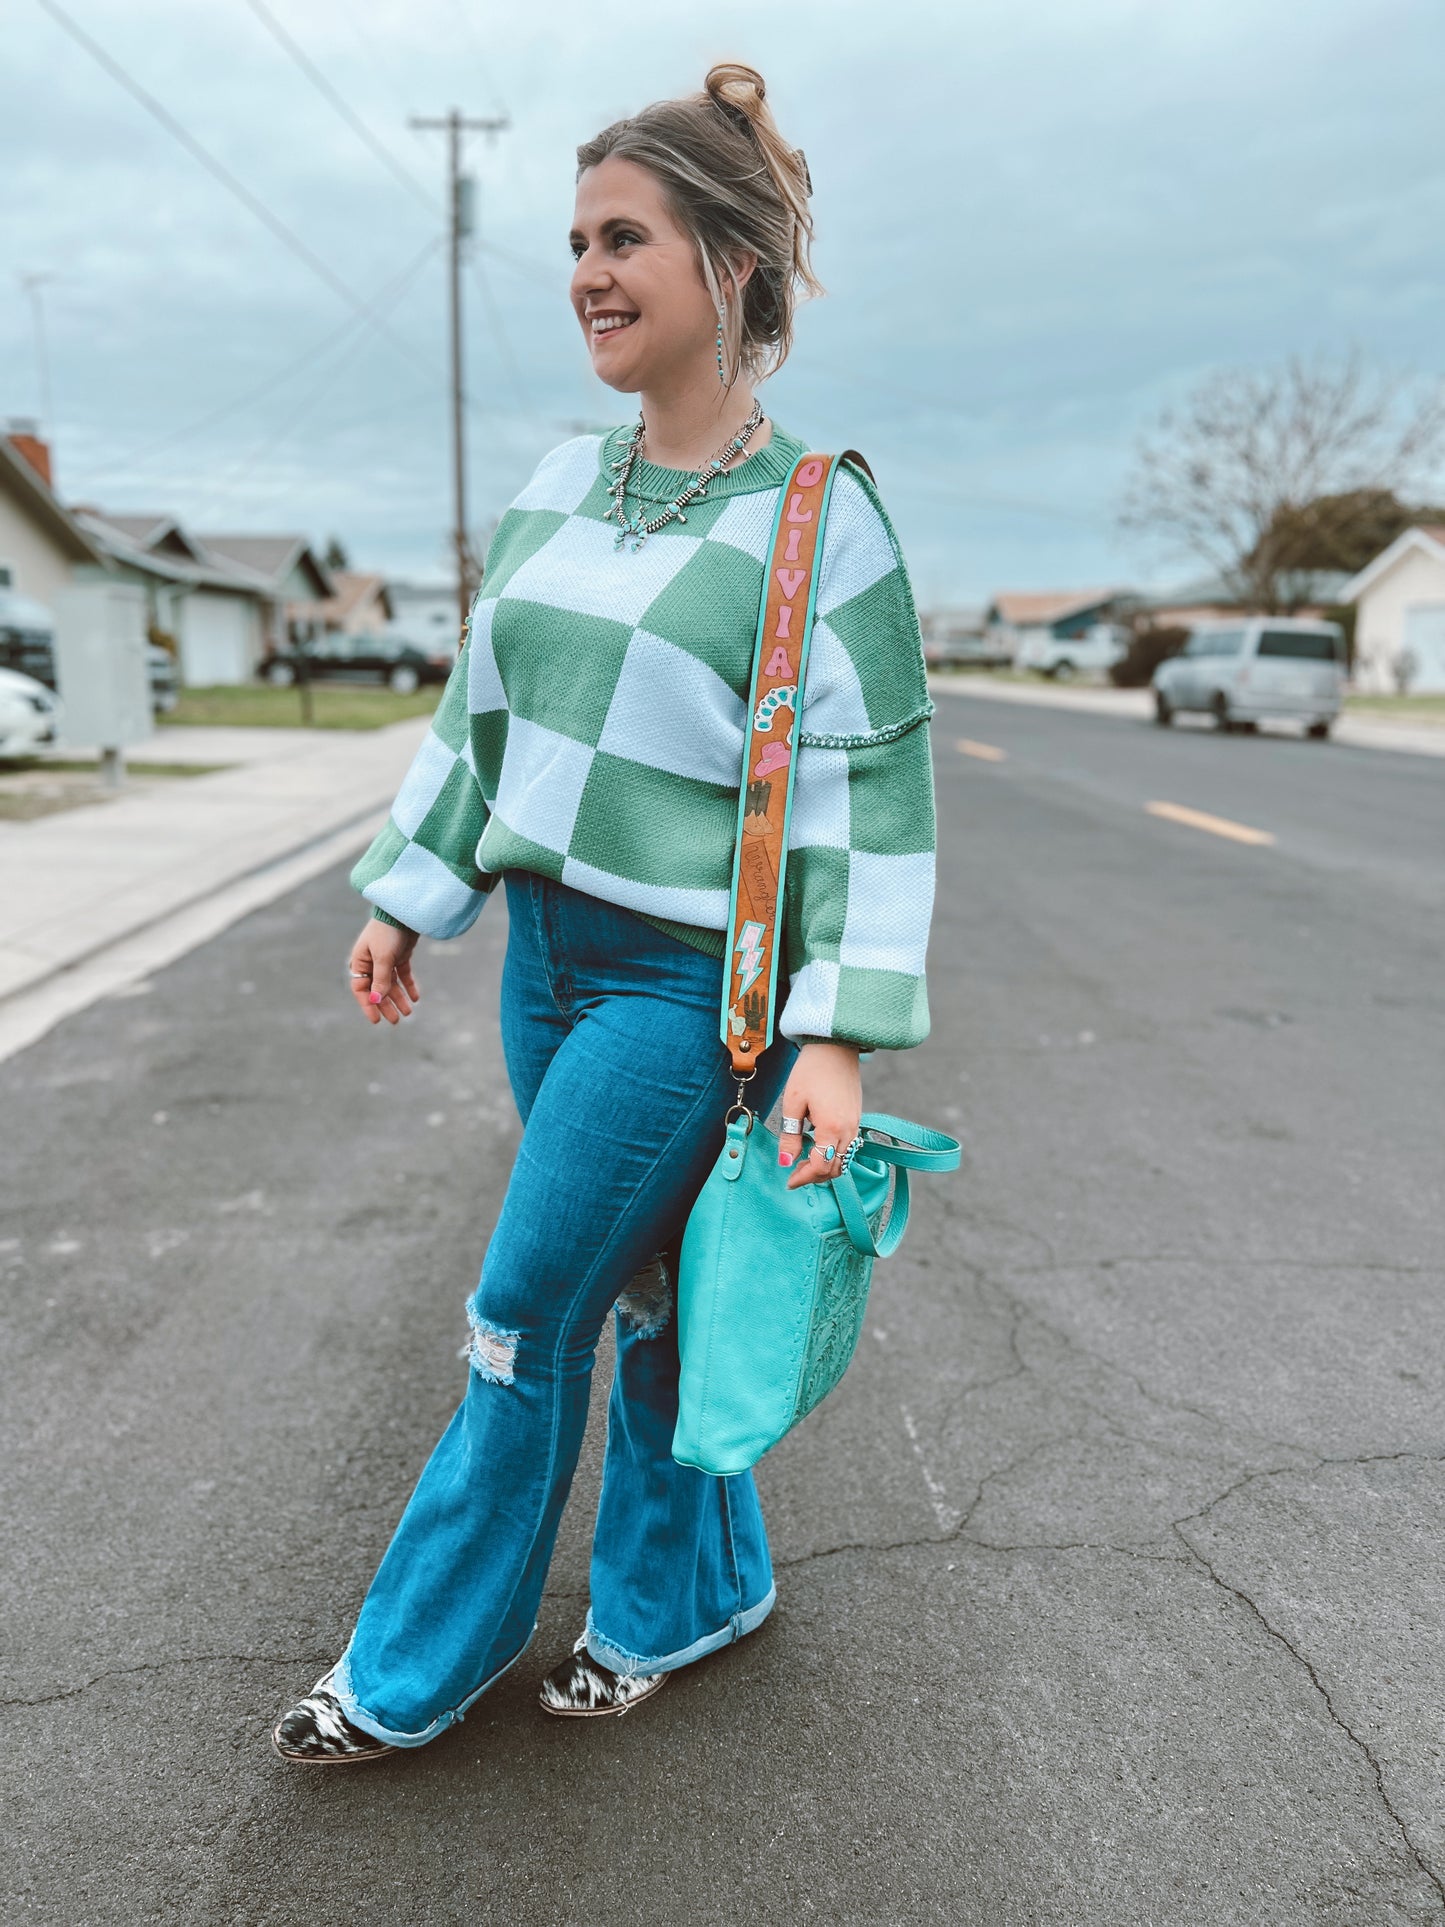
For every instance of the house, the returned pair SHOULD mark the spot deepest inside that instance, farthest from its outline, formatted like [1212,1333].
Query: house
[1058,615]
[1399,602]
[361,605]
[222,599]
[42,544]
[289,572]
[426,614]
[219,613]
[1212,598]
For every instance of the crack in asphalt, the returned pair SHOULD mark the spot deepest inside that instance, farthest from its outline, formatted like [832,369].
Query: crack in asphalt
[1210,1261]
[1163,1401]
[1192,1556]
[164,1665]
[1358,1740]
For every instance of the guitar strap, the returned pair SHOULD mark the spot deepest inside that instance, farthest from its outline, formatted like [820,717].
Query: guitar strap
[770,730]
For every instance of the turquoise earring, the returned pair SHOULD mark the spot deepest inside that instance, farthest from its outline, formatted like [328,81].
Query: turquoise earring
[722,310]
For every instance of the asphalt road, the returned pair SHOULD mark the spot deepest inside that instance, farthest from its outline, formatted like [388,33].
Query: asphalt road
[1109,1579]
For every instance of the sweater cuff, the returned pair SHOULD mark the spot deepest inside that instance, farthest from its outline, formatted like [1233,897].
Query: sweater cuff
[863,1050]
[380,916]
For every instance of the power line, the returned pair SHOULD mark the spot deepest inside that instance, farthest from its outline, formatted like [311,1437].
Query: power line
[504,345]
[528,269]
[32,283]
[276,379]
[353,120]
[283,233]
[483,54]
[245,464]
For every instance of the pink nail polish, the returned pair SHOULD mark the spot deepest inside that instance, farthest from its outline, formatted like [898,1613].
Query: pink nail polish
[785,1158]
[376,996]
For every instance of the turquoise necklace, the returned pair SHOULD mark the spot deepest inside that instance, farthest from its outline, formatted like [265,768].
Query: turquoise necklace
[635,528]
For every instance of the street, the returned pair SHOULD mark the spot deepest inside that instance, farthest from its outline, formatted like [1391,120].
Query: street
[1109,1579]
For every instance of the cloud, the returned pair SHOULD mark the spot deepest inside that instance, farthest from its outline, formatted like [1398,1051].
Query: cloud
[1036,225]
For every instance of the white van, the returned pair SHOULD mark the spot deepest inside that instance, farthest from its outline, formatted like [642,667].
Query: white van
[1099,648]
[1240,672]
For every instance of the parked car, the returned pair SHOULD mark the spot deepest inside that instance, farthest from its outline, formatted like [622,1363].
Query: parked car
[165,679]
[963,652]
[1099,648]
[27,637]
[27,644]
[1241,672]
[396,661]
[29,714]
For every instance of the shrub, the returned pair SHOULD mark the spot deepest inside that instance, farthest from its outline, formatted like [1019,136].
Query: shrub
[1148,647]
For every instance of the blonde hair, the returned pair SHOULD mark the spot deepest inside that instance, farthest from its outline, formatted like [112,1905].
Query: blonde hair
[735,186]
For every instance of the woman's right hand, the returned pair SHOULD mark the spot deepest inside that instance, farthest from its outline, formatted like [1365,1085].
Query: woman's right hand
[382,980]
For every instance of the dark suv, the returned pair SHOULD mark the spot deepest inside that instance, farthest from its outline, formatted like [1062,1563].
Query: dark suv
[392,660]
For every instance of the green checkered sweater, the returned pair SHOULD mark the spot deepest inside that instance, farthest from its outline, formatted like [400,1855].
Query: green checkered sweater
[592,731]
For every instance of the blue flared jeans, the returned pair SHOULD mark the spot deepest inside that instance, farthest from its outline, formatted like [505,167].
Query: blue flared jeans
[610,1029]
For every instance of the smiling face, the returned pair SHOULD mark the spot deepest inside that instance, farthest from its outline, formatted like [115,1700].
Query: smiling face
[637,288]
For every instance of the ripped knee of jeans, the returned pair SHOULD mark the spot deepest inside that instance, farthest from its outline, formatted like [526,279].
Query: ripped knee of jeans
[490,1351]
[646,1305]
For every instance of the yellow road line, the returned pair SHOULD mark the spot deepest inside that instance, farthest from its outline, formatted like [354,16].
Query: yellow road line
[985,752]
[1216,825]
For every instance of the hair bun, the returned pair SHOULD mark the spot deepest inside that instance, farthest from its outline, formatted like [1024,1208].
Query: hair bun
[731,84]
[740,95]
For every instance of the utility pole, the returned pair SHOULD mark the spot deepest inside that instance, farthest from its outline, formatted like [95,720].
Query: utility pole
[461,204]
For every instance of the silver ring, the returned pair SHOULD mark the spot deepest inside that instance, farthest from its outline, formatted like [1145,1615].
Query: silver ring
[365,975]
[826,1151]
[792,1127]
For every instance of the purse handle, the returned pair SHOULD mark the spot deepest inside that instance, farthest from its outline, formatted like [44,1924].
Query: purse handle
[765,797]
[919,1149]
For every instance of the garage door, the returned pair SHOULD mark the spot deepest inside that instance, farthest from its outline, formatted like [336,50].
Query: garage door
[1425,640]
[216,634]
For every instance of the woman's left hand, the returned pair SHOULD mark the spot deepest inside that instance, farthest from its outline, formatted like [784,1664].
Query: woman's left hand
[825,1092]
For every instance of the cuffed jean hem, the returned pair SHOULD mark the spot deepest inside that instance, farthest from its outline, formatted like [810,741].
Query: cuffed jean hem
[630,1665]
[339,1682]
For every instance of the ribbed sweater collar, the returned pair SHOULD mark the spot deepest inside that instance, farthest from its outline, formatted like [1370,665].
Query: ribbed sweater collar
[769,468]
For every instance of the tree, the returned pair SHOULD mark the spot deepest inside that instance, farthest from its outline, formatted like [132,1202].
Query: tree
[1260,471]
[335,556]
[1344,531]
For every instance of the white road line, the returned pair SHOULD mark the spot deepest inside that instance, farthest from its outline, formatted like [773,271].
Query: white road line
[983,752]
[1215,825]
[945,1514]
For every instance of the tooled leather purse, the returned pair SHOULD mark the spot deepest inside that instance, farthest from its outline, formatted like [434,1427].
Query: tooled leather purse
[773,1283]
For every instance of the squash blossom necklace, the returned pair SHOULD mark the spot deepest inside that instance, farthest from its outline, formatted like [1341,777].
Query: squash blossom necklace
[635,528]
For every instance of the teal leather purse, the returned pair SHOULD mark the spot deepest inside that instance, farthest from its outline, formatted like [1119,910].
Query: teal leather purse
[773,1283]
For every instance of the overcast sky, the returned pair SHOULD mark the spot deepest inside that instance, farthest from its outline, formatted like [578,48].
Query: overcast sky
[1038,225]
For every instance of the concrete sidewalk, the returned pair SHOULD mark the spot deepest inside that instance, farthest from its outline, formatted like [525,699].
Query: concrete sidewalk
[79,882]
[1356,732]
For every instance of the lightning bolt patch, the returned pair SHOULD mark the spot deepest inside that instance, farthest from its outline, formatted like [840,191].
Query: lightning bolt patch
[749,948]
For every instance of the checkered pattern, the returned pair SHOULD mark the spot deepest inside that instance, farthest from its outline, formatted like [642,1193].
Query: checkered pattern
[592,731]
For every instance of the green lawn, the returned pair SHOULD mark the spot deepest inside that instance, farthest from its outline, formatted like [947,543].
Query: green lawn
[1405,709]
[335,706]
[36,786]
[89,766]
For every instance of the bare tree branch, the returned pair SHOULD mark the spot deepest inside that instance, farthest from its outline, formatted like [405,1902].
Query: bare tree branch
[1264,467]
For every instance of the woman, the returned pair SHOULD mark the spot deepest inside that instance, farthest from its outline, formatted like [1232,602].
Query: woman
[588,750]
